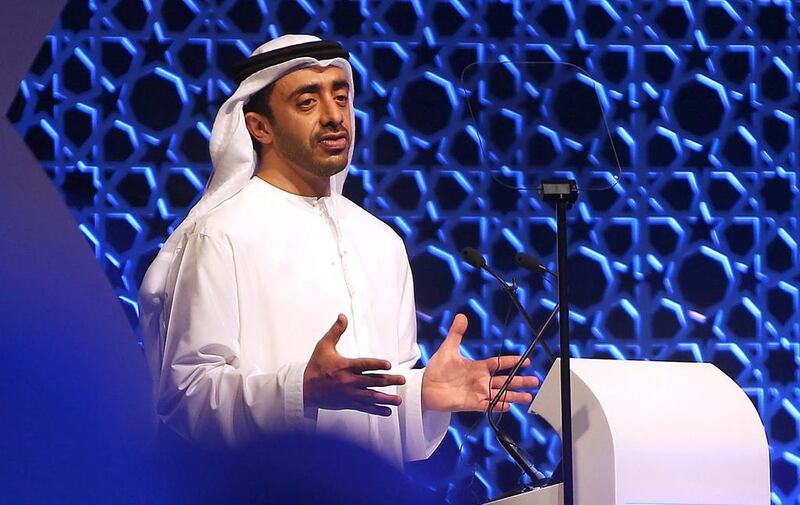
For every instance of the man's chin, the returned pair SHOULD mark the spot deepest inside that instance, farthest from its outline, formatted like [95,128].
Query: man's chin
[329,169]
[332,164]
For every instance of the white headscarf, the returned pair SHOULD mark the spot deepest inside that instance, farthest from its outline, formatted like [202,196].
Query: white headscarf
[234,162]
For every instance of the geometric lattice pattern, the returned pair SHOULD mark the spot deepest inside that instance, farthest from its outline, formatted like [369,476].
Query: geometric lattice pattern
[692,256]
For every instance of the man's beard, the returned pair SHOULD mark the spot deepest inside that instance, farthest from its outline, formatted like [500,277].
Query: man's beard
[301,153]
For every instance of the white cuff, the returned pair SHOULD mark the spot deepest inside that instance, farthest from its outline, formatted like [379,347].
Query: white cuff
[294,413]
[422,431]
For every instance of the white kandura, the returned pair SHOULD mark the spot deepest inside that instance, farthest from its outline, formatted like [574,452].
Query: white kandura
[260,280]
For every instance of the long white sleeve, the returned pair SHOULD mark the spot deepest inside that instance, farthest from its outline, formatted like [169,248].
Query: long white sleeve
[422,431]
[208,391]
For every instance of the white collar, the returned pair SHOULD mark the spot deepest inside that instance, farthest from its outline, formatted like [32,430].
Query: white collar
[309,202]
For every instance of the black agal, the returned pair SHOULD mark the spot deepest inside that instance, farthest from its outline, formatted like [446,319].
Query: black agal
[320,50]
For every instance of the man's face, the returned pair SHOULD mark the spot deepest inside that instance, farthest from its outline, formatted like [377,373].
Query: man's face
[311,127]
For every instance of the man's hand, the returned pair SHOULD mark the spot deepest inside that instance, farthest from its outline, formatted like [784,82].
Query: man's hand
[334,382]
[453,383]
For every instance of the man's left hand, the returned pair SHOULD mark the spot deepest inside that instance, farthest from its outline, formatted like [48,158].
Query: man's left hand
[454,383]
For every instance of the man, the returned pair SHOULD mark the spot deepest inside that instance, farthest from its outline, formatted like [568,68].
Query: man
[278,303]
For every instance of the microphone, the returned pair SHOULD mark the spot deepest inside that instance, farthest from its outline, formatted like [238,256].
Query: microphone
[531,262]
[473,257]
[476,259]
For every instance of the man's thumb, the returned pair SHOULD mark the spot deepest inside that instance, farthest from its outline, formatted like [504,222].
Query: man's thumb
[456,333]
[335,332]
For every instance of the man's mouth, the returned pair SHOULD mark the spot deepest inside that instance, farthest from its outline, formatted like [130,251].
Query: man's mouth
[334,142]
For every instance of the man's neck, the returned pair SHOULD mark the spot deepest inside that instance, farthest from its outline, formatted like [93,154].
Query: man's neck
[295,182]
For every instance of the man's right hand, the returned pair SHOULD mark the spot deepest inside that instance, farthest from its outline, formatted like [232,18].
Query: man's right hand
[334,382]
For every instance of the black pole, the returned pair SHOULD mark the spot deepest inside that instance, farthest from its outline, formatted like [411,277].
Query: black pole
[563,193]
[566,390]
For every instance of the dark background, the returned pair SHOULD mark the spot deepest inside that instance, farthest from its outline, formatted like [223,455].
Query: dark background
[692,256]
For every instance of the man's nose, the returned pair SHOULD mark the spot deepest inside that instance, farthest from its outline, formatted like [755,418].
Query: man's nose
[332,112]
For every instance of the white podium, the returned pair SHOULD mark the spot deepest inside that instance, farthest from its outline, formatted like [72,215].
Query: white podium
[656,433]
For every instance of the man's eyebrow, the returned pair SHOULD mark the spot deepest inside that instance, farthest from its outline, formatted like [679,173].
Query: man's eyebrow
[316,88]
[308,88]
[340,84]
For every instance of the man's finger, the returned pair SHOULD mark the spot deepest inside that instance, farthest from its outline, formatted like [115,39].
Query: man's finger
[358,365]
[513,397]
[456,333]
[367,380]
[503,363]
[374,409]
[333,335]
[369,396]
[518,382]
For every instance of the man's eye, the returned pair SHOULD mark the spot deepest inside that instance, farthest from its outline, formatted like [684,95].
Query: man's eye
[341,98]
[307,103]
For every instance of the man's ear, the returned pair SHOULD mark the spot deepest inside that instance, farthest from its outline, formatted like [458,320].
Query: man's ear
[259,127]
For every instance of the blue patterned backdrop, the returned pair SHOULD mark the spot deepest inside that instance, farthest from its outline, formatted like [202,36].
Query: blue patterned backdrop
[692,256]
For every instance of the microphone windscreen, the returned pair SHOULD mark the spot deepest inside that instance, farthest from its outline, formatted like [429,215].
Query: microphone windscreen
[473,257]
[530,262]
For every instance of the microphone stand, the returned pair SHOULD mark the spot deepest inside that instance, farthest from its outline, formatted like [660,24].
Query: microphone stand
[474,258]
[563,193]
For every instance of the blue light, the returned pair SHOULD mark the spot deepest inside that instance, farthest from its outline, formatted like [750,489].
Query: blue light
[759,192]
